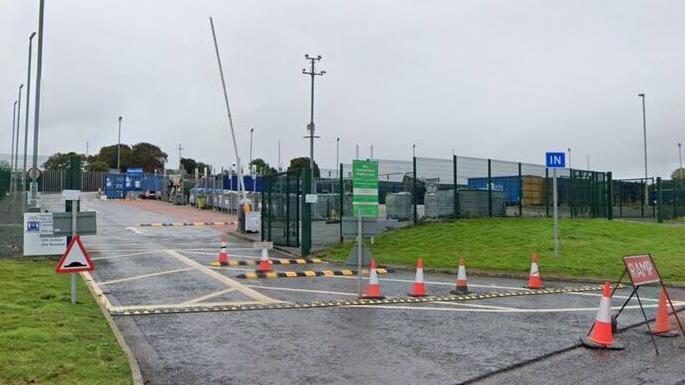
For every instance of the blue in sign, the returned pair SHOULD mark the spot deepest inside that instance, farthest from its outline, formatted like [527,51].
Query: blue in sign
[555,159]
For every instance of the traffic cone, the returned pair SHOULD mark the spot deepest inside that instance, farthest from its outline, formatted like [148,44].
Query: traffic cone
[601,334]
[662,324]
[373,290]
[534,281]
[223,254]
[419,288]
[461,287]
[264,263]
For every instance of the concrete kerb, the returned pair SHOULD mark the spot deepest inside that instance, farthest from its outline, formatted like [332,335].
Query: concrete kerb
[136,374]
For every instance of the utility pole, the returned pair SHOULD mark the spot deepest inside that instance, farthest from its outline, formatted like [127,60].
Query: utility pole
[36,109]
[180,165]
[310,127]
[119,148]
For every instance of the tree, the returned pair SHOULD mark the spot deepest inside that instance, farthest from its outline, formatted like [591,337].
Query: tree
[303,162]
[108,154]
[189,165]
[147,156]
[262,168]
[97,165]
[678,173]
[201,168]
[60,160]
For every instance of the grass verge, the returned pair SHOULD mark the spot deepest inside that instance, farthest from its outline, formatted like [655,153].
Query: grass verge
[589,247]
[44,339]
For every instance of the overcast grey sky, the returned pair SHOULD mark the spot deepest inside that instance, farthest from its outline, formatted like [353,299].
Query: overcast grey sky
[502,79]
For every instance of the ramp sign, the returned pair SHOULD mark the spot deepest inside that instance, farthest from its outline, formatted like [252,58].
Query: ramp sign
[75,259]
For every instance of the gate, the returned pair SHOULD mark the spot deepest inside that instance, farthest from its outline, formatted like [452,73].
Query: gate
[286,219]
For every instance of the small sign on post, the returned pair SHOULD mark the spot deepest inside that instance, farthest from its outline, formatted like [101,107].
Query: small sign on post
[555,160]
[364,201]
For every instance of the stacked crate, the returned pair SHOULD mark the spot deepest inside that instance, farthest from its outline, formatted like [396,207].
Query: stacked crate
[533,190]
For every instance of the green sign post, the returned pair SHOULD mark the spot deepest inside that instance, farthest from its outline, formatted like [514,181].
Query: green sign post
[364,188]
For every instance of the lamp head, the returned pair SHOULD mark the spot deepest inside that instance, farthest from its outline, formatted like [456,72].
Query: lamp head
[641,95]
[32,35]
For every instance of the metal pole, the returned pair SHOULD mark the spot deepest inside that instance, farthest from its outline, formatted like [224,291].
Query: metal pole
[119,147]
[569,157]
[279,157]
[14,129]
[74,223]
[555,200]
[26,118]
[588,162]
[241,182]
[680,154]
[310,126]
[36,109]
[337,156]
[16,151]
[251,135]
[413,150]
[644,132]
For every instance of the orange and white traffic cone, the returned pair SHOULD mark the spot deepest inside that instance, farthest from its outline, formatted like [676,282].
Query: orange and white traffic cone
[373,289]
[601,335]
[419,288]
[264,263]
[223,254]
[662,325]
[461,286]
[534,281]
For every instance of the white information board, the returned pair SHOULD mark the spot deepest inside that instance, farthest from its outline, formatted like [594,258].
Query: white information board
[253,221]
[37,239]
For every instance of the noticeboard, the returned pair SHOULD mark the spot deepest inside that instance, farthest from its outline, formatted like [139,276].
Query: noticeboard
[365,188]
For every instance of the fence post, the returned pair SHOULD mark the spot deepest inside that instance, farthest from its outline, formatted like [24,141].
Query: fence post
[454,179]
[620,199]
[659,213]
[287,208]
[263,209]
[342,201]
[610,196]
[593,194]
[547,192]
[413,192]
[489,187]
[673,195]
[643,198]
[520,192]
[571,206]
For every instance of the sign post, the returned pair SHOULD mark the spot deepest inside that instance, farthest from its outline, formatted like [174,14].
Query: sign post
[555,160]
[642,270]
[364,202]
[75,259]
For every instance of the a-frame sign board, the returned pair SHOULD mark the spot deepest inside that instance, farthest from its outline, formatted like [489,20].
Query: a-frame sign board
[75,259]
[642,270]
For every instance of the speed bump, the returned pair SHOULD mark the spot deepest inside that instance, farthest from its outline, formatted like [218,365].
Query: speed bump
[274,261]
[198,308]
[307,273]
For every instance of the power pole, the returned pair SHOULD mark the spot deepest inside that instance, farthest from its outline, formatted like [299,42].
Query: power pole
[310,127]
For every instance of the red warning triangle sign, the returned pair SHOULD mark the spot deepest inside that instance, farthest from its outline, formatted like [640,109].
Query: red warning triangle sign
[75,259]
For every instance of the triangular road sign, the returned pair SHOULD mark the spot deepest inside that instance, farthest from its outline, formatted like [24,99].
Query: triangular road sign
[75,259]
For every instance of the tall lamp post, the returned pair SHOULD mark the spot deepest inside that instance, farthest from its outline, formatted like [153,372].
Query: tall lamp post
[310,127]
[644,133]
[14,129]
[16,148]
[119,147]
[36,108]
[26,118]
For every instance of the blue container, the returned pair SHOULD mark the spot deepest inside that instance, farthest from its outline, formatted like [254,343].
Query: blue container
[508,184]
[231,183]
[114,186]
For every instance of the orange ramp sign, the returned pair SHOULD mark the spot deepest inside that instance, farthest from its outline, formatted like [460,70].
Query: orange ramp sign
[75,259]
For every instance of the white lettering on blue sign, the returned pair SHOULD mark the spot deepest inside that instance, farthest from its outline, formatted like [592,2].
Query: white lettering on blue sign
[555,159]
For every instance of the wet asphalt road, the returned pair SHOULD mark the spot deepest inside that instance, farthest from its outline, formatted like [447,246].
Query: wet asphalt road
[432,343]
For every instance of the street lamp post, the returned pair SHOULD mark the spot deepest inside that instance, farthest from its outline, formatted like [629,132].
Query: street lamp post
[680,155]
[569,158]
[119,147]
[413,150]
[26,118]
[251,135]
[310,126]
[36,108]
[644,132]
[14,129]
[337,157]
[16,148]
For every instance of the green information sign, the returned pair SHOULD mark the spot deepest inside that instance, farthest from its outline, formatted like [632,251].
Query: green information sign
[364,188]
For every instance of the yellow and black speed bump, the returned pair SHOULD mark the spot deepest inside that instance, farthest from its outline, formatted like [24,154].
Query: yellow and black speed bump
[274,261]
[168,224]
[307,273]
[200,308]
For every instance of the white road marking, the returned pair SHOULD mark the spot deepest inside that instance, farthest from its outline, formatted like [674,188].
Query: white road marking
[474,305]
[222,278]
[139,232]
[438,283]
[617,296]
[144,276]
[302,290]
[125,255]
[208,296]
